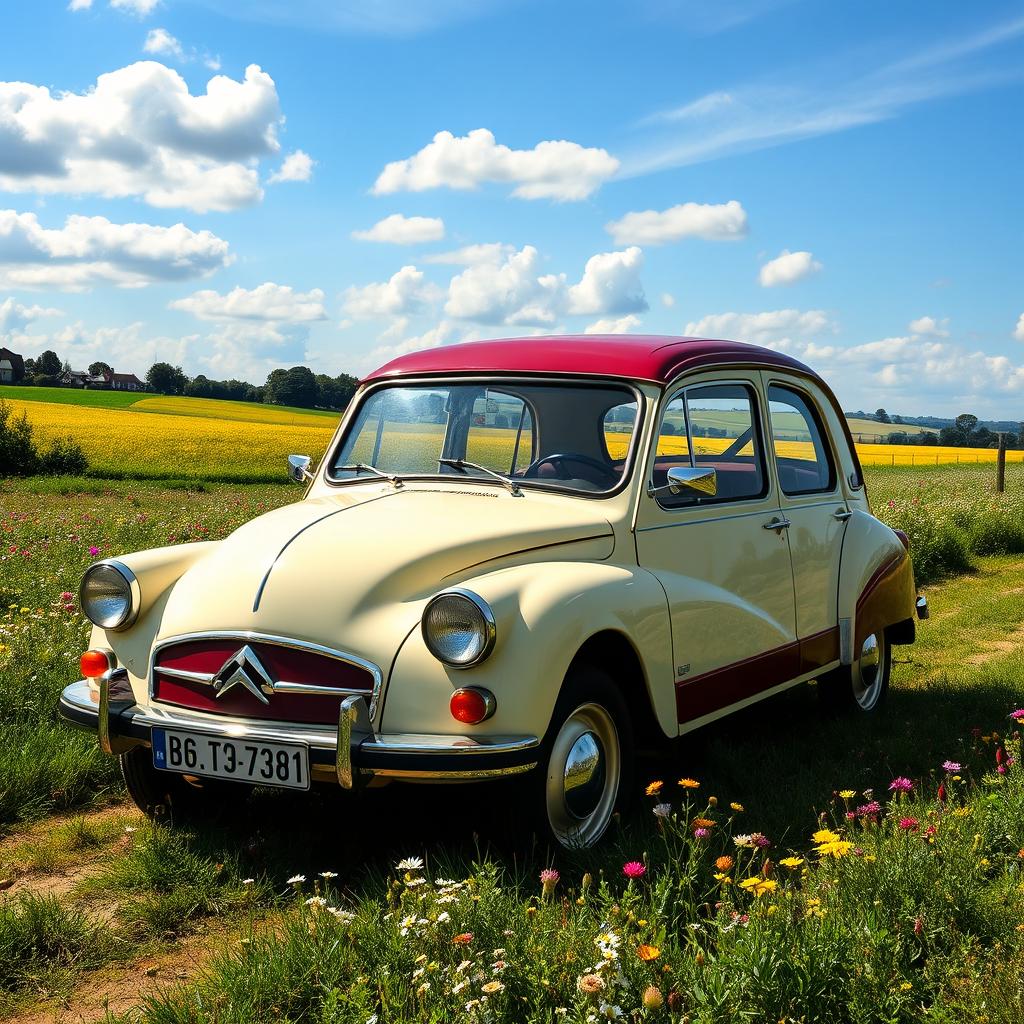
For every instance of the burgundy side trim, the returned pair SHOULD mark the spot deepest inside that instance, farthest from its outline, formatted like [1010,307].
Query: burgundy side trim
[730,684]
[819,650]
[876,578]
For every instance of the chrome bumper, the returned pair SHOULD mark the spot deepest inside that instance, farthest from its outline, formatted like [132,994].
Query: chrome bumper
[353,752]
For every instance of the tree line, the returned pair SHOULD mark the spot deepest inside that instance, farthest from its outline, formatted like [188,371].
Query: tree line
[965,432]
[297,386]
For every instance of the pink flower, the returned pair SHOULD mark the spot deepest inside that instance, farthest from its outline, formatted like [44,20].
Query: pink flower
[67,596]
[760,840]
[952,766]
[874,807]
[1001,768]
[909,824]
[549,879]
[850,815]
[700,833]
[94,551]
[634,869]
[901,784]
[1018,715]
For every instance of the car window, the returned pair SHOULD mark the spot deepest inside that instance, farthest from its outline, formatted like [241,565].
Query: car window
[501,424]
[721,420]
[802,457]
[617,427]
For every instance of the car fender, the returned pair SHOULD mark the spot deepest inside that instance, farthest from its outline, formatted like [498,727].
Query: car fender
[544,614]
[876,582]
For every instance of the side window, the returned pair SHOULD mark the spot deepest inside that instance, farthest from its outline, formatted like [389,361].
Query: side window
[723,426]
[803,458]
[500,433]
[617,426]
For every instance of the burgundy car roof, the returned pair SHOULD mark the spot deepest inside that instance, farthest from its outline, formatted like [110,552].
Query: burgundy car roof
[633,357]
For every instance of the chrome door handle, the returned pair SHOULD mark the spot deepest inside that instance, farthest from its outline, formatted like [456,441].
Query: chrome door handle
[841,514]
[777,524]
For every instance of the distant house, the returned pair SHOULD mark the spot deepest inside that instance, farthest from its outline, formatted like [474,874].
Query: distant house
[126,382]
[74,378]
[12,367]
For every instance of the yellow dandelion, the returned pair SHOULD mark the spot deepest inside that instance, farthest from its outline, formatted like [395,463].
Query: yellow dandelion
[847,794]
[738,808]
[791,862]
[759,886]
[834,848]
[648,953]
[689,783]
[654,788]
[825,835]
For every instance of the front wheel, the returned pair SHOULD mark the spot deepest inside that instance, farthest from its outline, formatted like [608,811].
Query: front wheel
[587,765]
[863,685]
[166,796]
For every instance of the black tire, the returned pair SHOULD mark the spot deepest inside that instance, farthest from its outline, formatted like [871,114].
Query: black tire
[590,728]
[863,686]
[173,799]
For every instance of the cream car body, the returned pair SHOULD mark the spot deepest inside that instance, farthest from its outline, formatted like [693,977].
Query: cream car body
[690,604]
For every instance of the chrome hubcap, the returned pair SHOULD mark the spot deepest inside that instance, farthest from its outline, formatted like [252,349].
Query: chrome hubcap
[583,776]
[868,672]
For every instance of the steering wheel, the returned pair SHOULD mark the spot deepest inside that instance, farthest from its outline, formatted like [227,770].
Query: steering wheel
[563,457]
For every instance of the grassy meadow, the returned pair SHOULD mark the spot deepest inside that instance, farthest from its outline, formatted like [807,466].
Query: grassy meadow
[784,881]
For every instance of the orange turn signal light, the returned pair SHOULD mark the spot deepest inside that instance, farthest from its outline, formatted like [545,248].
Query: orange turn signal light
[472,705]
[94,663]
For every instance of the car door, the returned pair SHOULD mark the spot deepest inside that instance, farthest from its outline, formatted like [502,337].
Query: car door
[812,500]
[722,559]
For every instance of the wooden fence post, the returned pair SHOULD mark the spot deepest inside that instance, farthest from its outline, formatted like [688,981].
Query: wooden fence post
[1001,464]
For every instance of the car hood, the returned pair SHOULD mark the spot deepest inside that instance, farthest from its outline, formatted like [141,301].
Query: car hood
[330,570]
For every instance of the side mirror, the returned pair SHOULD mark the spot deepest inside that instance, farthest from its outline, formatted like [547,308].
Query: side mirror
[697,478]
[298,468]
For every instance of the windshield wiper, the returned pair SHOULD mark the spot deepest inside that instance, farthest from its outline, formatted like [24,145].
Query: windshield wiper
[463,465]
[359,467]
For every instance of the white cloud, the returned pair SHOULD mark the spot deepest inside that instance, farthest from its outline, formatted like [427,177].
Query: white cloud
[400,230]
[297,166]
[445,333]
[515,293]
[16,317]
[610,284]
[79,5]
[668,300]
[470,255]
[551,170]
[267,302]
[139,132]
[623,325]
[777,327]
[1018,332]
[928,326]
[140,8]
[788,268]
[160,41]
[722,222]
[93,250]
[405,292]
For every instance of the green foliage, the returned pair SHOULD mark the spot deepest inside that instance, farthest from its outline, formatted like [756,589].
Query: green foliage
[20,456]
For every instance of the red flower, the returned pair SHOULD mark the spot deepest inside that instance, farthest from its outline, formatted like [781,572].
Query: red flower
[909,824]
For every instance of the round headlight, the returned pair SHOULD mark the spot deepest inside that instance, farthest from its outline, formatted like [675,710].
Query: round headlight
[458,628]
[109,595]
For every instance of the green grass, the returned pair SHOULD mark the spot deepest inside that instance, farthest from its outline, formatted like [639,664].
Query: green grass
[73,396]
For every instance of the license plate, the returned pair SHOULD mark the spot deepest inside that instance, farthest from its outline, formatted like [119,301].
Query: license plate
[285,765]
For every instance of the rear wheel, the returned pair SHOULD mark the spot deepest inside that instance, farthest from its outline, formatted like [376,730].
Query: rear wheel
[587,764]
[863,685]
[166,796]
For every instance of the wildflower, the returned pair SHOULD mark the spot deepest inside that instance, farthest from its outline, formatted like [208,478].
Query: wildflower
[410,864]
[94,551]
[952,767]
[689,783]
[648,953]
[490,987]
[703,823]
[662,810]
[743,841]
[328,875]
[652,998]
[847,794]
[834,848]
[760,841]
[462,939]
[918,926]
[586,881]
[423,989]
[901,784]
[791,862]
[700,833]
[316,901]
[724,863]
[825,835]
[712,801]
[248,881]
[296,880]
[1018,715]
[908,824]
[634,869]
[654,788]
[590,984]
[341,916]
[548,880]
[872,807]
[722,878]
[759,886]
[941,794]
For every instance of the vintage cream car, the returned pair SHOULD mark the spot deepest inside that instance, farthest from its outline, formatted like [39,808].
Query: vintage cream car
[524,557]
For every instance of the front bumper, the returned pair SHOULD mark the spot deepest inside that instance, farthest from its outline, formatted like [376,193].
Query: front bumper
[352,754]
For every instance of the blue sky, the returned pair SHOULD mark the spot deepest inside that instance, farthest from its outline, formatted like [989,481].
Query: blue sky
[839,180]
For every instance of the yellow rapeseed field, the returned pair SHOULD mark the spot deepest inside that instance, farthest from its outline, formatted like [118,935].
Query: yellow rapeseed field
[168,437]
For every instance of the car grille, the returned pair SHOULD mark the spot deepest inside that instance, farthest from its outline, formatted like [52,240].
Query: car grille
[183,677]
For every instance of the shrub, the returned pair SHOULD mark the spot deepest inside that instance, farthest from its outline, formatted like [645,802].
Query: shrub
[20,456]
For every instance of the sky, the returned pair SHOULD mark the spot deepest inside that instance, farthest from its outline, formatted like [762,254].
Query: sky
[234,187]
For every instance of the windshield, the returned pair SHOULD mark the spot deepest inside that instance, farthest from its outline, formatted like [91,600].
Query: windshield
[573,436]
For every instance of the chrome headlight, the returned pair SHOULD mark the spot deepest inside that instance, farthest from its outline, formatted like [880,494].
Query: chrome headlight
[109,595]
[458,628]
